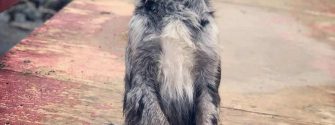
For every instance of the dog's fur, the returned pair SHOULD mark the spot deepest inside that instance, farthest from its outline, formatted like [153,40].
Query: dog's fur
[172,66]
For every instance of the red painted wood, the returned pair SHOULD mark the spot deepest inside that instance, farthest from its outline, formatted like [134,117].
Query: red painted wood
[49,76]
[5,4]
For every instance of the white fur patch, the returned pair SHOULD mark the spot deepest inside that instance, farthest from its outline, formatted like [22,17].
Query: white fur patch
[176,62]
[137,30]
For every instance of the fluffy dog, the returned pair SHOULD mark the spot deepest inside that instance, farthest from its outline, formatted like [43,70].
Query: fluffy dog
[172,65]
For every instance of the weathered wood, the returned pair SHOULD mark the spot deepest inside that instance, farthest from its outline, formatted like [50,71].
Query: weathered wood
[69,71]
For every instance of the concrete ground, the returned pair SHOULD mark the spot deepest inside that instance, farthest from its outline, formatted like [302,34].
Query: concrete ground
[278,64]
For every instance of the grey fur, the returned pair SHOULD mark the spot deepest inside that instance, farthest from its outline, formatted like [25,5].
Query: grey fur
[172,66]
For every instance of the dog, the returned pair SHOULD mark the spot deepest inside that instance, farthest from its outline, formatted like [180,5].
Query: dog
[172,64]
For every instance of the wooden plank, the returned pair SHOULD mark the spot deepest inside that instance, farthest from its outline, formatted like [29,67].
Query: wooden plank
[81,47]
[22,96]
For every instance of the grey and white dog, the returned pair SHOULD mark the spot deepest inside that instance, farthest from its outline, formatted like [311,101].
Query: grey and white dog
[172,65]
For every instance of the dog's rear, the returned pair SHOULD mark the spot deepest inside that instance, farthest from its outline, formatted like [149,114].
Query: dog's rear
[172,67]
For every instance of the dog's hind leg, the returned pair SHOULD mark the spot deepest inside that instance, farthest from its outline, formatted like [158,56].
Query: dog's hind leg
[207,82]
[141,101]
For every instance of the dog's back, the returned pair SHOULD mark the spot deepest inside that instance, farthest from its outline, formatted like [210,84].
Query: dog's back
[172,67]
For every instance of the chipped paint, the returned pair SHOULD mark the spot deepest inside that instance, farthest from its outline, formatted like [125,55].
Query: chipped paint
[23,95]
[75,60]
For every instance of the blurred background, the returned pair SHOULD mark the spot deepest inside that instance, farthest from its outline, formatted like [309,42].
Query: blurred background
[278,61]
[19,20]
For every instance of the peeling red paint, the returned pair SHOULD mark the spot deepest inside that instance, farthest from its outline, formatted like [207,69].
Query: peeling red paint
[23,96]
[71,42]
[76,46]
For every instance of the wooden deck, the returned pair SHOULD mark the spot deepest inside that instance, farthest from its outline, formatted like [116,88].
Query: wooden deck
[277,70]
